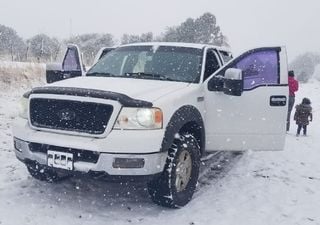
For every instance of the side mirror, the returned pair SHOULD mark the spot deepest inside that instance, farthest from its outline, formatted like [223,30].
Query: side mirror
[216,83]
[233,82]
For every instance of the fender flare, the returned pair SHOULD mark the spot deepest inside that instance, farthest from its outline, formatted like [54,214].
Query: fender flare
[181,117]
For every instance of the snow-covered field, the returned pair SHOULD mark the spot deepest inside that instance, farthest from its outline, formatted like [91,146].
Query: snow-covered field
[20,75]
[254,188]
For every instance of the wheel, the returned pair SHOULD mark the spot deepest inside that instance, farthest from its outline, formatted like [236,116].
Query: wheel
[174,188]
[42,173]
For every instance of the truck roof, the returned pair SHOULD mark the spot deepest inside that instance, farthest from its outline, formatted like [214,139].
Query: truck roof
[179,44]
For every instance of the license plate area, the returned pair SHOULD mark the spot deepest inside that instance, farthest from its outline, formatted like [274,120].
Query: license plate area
[62,160]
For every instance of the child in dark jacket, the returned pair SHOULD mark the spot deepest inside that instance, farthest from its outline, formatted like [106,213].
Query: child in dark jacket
[302,115]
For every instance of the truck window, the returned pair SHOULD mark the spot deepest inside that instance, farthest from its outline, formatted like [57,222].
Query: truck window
[226,56]
[174,63]
[71,61]
[212,64]
[260,68]
[105,51]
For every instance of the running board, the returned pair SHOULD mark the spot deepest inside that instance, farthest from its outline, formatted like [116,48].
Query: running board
[209,156]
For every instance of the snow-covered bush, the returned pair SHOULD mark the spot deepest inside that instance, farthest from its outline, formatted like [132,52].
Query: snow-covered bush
[304,65]
[316,74]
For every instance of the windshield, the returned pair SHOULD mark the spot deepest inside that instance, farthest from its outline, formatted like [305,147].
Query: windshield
[151,62]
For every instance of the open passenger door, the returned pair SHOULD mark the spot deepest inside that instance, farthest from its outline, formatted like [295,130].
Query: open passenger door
[71,66]
[247,102]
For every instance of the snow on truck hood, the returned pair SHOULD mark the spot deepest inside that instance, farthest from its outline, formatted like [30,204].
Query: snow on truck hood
[147,90]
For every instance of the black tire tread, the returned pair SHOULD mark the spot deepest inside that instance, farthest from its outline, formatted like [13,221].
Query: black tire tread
[161,190]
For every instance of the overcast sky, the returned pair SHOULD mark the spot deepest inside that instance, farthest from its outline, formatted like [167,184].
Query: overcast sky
[246,23]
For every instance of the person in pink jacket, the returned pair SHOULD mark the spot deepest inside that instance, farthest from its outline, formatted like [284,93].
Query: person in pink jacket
[293,87]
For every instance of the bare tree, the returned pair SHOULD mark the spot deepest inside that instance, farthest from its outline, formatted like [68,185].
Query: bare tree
[90,44]
[44,48]
[10,43]
[129,38]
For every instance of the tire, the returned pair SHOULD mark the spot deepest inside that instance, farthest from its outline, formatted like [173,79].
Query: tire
[42,173]
[174,188]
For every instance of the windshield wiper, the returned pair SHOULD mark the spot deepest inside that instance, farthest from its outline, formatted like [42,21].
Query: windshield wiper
[149,75]
[101,74]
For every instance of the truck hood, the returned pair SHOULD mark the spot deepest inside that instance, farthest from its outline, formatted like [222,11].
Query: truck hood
[147,90]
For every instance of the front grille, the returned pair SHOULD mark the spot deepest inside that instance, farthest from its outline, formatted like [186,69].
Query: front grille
[78,154]
[66,115]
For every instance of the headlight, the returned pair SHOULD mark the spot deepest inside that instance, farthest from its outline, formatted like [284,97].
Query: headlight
[139,118]
[24,107]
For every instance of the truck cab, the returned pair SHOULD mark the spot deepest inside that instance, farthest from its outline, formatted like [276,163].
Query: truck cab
[152,110]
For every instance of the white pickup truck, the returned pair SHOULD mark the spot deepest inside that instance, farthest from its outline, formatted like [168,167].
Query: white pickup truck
[152,110]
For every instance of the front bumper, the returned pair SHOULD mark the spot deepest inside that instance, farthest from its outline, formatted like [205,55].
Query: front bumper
[119,144]
[153,162]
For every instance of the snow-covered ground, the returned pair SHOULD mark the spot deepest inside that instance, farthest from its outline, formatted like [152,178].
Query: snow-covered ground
[253,188]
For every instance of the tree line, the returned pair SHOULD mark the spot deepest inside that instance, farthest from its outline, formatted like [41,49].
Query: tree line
[43,48]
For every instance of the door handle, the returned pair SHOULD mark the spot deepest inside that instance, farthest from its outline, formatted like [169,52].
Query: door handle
[200,99]
[278,100]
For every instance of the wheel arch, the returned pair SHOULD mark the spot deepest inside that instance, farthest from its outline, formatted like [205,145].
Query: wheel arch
[187,119]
